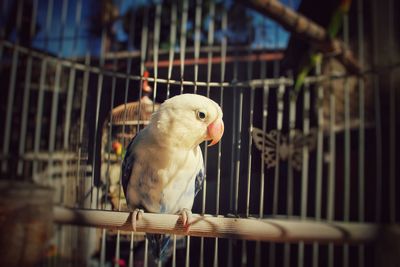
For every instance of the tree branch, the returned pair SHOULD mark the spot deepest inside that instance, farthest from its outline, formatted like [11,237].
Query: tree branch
[307,30]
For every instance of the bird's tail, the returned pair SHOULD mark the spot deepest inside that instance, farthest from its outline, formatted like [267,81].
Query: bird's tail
[160,246]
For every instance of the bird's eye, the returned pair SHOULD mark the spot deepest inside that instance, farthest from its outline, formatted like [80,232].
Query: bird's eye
[201,115]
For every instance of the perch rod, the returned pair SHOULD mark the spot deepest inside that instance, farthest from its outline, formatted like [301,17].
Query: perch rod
[277,230]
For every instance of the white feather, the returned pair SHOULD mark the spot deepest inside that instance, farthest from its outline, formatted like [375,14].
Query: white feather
[168,157]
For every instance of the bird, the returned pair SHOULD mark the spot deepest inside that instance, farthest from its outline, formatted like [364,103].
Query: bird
[163,167]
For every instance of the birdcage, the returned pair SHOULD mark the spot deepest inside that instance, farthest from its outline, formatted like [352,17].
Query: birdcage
[304,175]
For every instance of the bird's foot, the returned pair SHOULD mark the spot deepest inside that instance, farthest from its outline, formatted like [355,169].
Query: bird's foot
[186,218]
[136,215]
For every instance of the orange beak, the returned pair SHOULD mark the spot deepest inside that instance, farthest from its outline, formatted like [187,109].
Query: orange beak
[215,131]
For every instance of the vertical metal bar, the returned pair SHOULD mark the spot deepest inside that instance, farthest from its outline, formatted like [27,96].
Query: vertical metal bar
[280,93]
[66,233]
[279,120]
[117,248]
[71,86]
[320,145]
[197,46]
[39,113]
[54,107]
[210,40]
[174,252]
[131,259]
[290,181]
[155,49]
[331,170]
[146,252]
[262,175]
[377,107]
[185,10]
[43,70]
[98,100]
[143,50]
[306,131]
[264,129]
[85,85]
[249,156]
[361,127]
[222,79]
[103,248]
[250,143]
[110,127]
[25,105]
[238,150]
[24,114]
[53,119]
[171,54]
[187,258]
[71,83]
[378,133]
[233,159]
[11,92]
[305,166]
[127,81]
[292,125]
[263,74]
[233,140]
[347,140]
[392,119]
[172,43]
[144,41]
[78,16]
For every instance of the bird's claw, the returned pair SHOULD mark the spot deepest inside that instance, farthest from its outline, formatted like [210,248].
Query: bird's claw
[186,218]
[136,215]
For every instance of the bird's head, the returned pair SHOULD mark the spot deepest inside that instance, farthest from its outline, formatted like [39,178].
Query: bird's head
[187,120]
[117,147]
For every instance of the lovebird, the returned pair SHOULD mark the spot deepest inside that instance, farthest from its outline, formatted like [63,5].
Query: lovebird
[163,168]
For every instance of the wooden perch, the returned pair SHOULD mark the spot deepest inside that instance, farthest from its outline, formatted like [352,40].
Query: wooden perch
[278,230]
[308,30]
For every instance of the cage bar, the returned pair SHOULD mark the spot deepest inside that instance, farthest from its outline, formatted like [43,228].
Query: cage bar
[172,43]
[331,169]
[182,48]
[59,145]
[392,118]
[26,96]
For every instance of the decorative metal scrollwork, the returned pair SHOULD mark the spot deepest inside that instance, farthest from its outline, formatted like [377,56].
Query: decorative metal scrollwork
[279,147]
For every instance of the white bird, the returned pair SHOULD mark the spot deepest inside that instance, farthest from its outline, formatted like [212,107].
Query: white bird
[163,168]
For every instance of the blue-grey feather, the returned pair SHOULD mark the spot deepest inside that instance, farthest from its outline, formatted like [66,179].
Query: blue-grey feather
[160,246]
[127,165]
[199,181]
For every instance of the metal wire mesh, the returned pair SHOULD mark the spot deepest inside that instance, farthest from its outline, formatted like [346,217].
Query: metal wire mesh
[67,100]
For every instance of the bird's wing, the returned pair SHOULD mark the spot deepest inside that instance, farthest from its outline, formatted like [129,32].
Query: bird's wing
[127,165]
[198,185]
